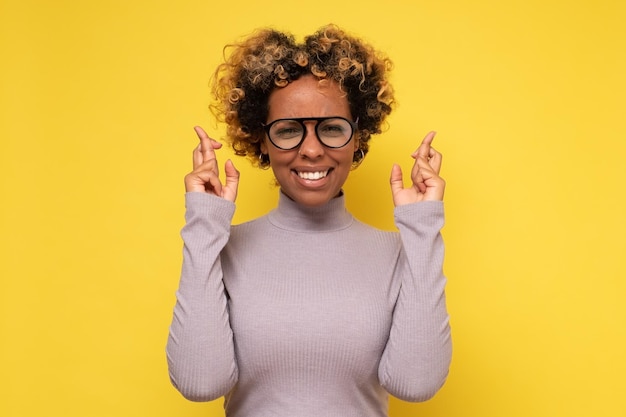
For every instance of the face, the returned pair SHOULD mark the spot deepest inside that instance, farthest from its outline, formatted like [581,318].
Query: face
[310,174]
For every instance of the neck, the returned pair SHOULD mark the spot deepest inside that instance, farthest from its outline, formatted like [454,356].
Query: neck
[327,217]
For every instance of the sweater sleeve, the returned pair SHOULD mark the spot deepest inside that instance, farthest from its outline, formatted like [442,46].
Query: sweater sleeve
[415,363]
[200,349]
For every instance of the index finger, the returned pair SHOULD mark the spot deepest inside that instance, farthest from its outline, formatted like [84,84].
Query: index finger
[424,148]
[207,145]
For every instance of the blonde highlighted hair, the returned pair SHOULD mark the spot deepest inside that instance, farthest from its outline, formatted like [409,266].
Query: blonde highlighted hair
[269,59]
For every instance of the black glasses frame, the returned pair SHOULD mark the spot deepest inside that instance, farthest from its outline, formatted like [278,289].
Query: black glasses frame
[301,120]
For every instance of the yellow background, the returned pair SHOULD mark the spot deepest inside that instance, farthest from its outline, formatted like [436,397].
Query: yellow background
[98,101]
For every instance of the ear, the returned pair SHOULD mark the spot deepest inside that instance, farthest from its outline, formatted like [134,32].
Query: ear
[263,146]
[357,140]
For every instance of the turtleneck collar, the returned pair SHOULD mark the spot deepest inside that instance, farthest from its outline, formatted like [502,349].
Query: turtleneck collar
[290,215]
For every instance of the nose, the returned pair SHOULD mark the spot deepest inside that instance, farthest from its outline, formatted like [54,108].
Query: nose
[311,147]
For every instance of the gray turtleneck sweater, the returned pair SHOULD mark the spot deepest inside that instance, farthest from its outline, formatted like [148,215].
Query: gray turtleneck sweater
[307,312]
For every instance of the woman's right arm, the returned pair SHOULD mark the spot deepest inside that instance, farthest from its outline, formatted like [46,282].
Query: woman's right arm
[200,348]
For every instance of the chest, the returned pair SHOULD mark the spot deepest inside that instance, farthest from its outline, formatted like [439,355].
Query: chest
[311,312]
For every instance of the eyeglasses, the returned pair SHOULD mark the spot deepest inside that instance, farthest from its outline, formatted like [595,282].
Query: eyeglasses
[332,132]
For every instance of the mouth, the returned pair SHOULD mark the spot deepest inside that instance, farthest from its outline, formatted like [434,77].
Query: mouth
[312,175]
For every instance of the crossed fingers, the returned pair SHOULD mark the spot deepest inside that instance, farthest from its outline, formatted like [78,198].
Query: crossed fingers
[205,174]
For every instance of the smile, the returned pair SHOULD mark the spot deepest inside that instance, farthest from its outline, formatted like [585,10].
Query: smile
[312,175]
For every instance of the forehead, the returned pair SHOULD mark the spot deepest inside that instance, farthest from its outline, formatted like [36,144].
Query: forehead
[308,97]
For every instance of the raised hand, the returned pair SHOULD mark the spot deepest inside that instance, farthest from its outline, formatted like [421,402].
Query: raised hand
[427,184]
[205,176]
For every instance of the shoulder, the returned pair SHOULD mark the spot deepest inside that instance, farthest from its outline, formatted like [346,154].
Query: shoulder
[372,236]
[371,230]
[249,229]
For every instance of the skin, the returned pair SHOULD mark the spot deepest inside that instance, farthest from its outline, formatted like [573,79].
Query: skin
[306,98]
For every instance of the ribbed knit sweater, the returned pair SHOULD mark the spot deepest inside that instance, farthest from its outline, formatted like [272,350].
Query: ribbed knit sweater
[307,312]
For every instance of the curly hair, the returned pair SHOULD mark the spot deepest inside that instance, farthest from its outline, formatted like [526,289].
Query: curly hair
[269,59]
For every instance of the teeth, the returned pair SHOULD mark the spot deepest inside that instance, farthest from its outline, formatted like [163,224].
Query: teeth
[312,175]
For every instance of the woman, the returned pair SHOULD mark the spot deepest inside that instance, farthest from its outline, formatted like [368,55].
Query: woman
[306,311]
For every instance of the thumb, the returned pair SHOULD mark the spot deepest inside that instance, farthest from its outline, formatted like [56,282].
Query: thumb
[395,180]
[232,181]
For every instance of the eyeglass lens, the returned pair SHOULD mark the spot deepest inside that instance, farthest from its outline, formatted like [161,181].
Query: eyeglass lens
[288,133]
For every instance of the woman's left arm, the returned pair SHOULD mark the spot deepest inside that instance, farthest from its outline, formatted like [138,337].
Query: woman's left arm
[417,356]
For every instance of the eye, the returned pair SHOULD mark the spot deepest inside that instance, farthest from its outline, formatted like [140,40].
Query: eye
[286,129]
[334,127]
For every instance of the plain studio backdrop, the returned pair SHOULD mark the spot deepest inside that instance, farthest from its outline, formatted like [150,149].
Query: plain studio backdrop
[98,101]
